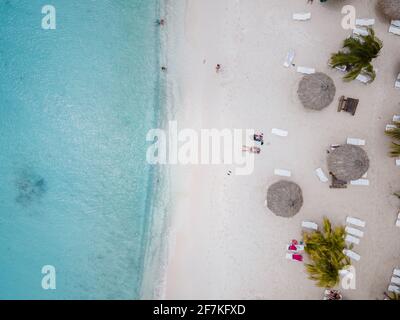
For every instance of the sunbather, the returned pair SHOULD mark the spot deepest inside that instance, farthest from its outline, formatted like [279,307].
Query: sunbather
[259,137]
[255,150]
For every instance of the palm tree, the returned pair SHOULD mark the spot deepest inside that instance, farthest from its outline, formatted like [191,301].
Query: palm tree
[392,296]
[325,249]
[395,134]
[357,55]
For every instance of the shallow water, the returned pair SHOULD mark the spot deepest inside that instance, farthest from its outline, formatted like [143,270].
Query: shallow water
[75,106]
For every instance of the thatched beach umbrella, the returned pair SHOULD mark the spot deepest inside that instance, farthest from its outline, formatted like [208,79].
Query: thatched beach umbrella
[390,8]
[284,198]
[348,162]
[316,91]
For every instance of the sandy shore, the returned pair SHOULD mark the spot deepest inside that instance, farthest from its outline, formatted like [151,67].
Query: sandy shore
[224,243]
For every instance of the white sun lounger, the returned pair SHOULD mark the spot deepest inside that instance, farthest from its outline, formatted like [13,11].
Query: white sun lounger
[280,132]
[356,222]
[352,239]
[356,142]
[398,162]
[345,272]
[396,118]
[398,221]
[394,29]
[395,280]
[364,78]
[321,175]
[393,288]
[397,82]
[354,232]
[365,22]
[341,68]
[352,255]
[289,256]
[305,70]
[360,31]
[395,23]
[309,225]
[396,272]
[282,173]
[302,16]
[289,59]
[390,127]
[360,182]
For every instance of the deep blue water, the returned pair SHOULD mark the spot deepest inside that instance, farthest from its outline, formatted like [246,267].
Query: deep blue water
[75,106]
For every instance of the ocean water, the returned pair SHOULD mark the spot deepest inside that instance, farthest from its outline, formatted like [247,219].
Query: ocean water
[75,106]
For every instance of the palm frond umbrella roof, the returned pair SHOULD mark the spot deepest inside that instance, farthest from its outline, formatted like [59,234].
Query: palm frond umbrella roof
[285,198]
[390,8]
[348,162]
[316,91]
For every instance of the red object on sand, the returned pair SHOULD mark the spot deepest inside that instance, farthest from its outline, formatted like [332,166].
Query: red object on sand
[298,257]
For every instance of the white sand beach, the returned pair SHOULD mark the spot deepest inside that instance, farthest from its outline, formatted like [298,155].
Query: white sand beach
[223,242]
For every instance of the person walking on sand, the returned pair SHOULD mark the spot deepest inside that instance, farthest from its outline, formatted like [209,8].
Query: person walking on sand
[161,22]
[218,68]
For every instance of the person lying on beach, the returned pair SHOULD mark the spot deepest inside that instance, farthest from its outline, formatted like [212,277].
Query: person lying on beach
[259,138]
[255,150]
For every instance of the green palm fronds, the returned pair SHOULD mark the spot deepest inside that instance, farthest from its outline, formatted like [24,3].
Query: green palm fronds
[395,134]
[392,296]
[325,250]
[357,55]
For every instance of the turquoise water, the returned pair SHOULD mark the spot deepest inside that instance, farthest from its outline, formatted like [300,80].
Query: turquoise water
[75,106]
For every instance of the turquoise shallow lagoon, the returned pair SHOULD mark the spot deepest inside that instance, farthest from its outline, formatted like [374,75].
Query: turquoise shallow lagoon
[75,106]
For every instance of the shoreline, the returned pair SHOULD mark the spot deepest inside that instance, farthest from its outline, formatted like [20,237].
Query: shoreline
[157,251]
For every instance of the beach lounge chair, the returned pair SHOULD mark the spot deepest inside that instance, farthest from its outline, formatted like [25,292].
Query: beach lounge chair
[364,78]
[356,222]
[309,225]
[301,16]
[337,184]
[354,232]
[395,280]
[279,132]
[394,29]
[289,59]
[360,182]
[396,118]
[294,257]
[397,82]
[396,272]
[352,255]
[360,31]
[352,239]
[282,173]
[395,23]
[398,162]
[305,70]
[334,146]
[390,127]
[365,22]
[398,220]
[356,142]
[344,272]
[348,104]
[394,289]
[341,68]
[321,175]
